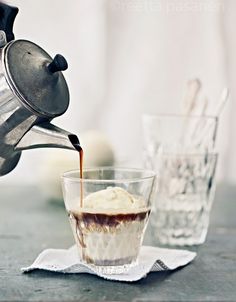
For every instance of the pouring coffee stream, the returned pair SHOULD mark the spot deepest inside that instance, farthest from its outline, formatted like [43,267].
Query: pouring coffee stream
[75,142]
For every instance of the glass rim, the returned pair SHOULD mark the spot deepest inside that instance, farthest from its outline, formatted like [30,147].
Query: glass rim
[179,115]
[149,175]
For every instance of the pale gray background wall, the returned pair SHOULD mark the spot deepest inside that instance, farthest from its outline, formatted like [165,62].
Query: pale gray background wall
[129,57]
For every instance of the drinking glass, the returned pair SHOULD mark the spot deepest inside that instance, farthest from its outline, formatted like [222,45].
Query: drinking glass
[186,188]
[109,237]
[179,148]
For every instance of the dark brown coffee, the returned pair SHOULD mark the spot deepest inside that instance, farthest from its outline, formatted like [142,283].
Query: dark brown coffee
[75,142]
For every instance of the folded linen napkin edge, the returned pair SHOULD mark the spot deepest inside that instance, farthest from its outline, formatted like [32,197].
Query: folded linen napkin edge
[151,259]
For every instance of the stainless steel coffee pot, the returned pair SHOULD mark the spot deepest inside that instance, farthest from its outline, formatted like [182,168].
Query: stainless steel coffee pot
[32,92]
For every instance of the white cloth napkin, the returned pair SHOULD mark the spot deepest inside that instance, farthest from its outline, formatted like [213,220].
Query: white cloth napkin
[151,259]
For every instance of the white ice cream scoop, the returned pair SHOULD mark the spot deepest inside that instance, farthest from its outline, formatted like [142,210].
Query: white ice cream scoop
[112,199]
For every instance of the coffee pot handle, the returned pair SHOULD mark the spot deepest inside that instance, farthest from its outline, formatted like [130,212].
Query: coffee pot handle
[7,17]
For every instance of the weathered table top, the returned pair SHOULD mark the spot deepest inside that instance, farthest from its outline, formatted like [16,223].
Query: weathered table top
[29,224]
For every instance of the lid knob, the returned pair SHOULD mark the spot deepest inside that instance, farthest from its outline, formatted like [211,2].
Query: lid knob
[59,63]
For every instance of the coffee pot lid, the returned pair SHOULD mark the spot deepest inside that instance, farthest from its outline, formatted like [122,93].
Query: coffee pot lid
[36,78]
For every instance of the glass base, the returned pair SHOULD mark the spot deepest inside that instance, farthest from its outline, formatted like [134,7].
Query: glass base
[112,269]
[179,227]
[170,239]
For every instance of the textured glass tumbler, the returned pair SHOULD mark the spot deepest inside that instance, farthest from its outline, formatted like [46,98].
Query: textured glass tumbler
[109,238]
[185,194]
[178,134]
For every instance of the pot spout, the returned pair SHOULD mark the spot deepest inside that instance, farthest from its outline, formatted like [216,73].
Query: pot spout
[46,135]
